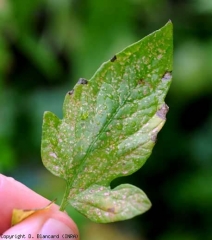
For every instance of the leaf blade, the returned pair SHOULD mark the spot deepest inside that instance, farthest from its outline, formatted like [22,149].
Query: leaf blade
[111,121]
[105,205]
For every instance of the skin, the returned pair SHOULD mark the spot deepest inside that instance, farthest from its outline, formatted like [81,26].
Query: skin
[13,194]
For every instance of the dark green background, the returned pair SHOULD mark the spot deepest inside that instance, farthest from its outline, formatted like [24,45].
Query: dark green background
[46,45]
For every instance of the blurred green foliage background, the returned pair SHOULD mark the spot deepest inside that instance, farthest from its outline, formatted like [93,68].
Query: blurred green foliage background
[46,45]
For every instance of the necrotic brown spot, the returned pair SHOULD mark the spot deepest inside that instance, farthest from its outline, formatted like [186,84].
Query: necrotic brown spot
[82,81]
[113,59]
[111,210]
[167,76]
[161,113]
[70,92]
[154,136]
[141,81]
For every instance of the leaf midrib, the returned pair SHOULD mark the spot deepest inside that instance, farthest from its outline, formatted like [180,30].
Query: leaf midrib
[90,148]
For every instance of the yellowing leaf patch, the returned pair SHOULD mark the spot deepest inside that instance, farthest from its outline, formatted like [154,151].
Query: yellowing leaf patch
[19,215]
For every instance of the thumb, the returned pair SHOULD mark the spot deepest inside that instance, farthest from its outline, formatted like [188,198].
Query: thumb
[53,225]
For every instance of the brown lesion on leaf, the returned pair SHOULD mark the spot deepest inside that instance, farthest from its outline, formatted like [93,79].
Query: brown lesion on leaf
[145,84]
[167,76]
[161,113]
[111,210]
[113,59]
[82,81]
[70,92]
[141,81]
[154,136]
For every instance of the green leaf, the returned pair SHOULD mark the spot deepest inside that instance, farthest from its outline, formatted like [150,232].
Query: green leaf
[104,205]
[109,129]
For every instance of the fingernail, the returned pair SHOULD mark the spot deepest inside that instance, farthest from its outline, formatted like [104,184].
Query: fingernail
[55,227]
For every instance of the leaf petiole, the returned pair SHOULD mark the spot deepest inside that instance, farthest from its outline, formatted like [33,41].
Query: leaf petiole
[65,198]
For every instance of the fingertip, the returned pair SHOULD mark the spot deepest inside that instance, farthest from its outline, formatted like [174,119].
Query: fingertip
[63,217]
[46,223]
[57,228]
[16,195]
